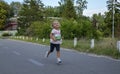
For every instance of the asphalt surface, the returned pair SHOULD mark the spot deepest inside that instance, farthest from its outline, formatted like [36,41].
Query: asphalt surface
[18,57]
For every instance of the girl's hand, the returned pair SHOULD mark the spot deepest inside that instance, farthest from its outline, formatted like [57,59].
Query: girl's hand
[52,37]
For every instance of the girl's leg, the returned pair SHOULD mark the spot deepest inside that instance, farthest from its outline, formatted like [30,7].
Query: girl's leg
[58,53]
[50,51]
[58,57]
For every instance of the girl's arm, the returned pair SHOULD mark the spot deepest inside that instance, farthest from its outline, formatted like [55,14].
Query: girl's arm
[52,37]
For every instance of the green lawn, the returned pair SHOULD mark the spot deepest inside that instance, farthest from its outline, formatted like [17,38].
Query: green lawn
[106,46]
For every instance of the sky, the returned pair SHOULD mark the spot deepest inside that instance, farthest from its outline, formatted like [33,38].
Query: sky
[93,6]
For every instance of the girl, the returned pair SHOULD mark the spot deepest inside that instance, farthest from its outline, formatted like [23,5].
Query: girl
[55,40]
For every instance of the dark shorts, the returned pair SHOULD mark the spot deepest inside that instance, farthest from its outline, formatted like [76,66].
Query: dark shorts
[53,46]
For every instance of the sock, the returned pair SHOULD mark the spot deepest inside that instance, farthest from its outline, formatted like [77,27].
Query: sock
[58,59]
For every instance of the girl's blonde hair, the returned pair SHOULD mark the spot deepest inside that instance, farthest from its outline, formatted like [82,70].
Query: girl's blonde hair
[55,21]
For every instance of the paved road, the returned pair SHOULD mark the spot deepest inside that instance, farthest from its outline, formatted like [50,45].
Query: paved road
[17,57]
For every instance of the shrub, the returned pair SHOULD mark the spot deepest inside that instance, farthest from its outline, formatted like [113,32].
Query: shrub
[39,29]
[6,34]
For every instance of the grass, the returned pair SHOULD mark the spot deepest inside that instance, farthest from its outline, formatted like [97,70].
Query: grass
[106,46]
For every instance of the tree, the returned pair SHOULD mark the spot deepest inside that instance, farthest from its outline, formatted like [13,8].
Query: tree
[4,13]
[67,9]
[109,16]
[80,29]
[81,5]
[32,10]
[99,26]
[50,11]
[15,8]
[62,6]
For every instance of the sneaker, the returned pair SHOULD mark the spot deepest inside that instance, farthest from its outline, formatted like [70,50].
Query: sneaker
[46,54]
[59,62]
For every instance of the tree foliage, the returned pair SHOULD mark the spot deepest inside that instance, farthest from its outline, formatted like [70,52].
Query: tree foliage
[67,9]
[50,11]
[39,29]
[15,7]
[32,10]
[81,5]
[4,13]
[80,29]
[99,26]
[109,17]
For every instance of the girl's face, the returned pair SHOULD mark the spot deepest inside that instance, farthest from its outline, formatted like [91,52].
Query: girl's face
[56,25]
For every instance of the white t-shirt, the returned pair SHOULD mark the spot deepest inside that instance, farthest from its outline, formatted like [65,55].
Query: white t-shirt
[57,35]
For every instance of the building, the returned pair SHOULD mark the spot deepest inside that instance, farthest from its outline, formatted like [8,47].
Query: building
[11,24]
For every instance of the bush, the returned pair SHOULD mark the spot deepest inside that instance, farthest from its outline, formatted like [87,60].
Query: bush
[6,34]
[72,28]
[39,29]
